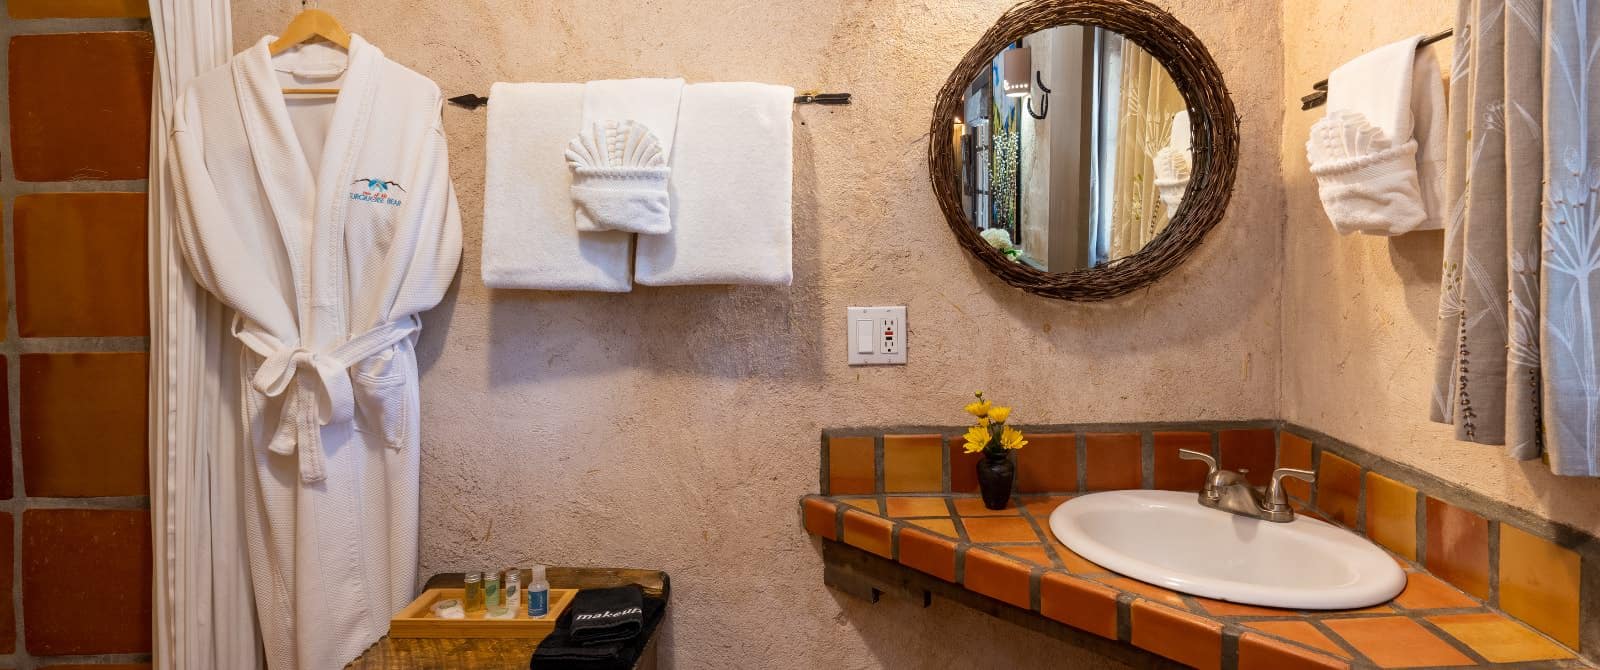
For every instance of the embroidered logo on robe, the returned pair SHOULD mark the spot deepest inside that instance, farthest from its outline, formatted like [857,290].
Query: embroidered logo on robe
[376,190]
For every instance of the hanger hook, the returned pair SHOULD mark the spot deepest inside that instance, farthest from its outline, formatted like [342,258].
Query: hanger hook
[1044,100]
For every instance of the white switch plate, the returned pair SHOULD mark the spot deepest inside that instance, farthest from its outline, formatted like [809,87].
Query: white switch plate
[877,335]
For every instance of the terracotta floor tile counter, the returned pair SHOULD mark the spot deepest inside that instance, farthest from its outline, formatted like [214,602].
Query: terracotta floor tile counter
[1484,587]
[1011,556]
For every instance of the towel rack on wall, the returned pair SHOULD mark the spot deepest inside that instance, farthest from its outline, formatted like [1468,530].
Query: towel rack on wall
[1319,95]
[474,101]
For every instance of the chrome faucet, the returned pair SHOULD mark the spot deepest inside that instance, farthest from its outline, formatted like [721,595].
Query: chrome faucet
[1229,491]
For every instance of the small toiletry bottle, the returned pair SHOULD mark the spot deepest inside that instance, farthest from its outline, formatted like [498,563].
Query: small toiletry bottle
[513,591]
[491,595]
[474,595]
[537,593]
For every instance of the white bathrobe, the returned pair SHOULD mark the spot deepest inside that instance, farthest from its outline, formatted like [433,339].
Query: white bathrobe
[328,228]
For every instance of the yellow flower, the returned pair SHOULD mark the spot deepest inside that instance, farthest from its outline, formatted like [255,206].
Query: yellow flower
[1000,414]
[1011,438]
[979,409]
[977,439]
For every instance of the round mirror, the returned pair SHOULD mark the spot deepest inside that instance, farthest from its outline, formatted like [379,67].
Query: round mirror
[1083,147]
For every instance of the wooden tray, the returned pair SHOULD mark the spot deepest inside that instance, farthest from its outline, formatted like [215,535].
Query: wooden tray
[417,619]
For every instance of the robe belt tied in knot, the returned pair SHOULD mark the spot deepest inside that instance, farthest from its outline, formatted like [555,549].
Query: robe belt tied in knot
[318,383]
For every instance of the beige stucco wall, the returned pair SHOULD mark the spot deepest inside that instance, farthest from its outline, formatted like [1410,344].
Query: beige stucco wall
[676,428]
[1359,312]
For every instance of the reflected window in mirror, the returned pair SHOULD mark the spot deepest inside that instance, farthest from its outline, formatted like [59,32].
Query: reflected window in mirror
[1072,149]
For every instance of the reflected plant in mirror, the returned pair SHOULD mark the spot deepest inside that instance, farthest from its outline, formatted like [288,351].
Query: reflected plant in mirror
[1082,148]
[1084,169]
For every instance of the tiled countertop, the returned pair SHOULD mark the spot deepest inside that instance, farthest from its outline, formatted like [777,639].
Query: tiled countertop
[1011,556]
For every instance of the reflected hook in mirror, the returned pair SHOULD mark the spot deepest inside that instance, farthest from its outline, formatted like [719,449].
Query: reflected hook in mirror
[1044,101]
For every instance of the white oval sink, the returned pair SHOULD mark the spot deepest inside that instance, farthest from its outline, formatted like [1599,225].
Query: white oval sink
[1167,538]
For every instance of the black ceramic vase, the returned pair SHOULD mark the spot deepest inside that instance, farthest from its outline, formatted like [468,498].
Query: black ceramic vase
[995,474]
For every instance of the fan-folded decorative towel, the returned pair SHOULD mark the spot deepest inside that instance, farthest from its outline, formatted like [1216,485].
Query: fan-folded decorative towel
[529,237]
[731,186]
[1365,152]
[619,163]
[619,179]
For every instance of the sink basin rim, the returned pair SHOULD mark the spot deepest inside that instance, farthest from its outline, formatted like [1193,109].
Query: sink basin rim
[1378,578]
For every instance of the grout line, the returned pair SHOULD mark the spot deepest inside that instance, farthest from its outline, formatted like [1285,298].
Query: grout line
[824,481]
[1147,460]
[1494,565]
[1230,645]
[878,473]
[1421,541]
[1327,631]
[1460,646]
[1081,444]
[946,461]
[1125,616]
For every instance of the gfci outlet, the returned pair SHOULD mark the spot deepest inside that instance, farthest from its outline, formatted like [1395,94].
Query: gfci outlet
[877,335]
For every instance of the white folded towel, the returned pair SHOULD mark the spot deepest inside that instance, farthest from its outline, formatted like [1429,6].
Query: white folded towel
[1429,112]
[1174,163]
[619,193]
[619,179]
[1363,152]
[529,236]
[731,184]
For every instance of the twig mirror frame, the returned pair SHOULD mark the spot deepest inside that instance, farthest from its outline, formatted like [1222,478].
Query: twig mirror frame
[1215,143]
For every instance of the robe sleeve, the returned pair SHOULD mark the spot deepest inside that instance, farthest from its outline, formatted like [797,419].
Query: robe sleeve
[423,261]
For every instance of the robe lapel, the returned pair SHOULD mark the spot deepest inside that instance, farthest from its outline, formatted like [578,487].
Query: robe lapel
[285,176]
[329,322]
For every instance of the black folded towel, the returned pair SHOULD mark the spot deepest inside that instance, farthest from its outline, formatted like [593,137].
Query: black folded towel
[600,616]
[558,651]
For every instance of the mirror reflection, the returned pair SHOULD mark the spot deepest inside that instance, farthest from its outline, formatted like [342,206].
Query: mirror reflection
[1073,149]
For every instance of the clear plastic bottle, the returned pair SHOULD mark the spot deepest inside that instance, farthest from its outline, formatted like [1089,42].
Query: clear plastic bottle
[537,592]
[474,593]
[492,600]
[513,591]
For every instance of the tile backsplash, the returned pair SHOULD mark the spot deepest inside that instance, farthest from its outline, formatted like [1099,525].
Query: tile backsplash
[1546,574]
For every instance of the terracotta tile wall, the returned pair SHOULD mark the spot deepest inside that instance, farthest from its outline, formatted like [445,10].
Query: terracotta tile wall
[74,518]
[1058,459]
[1543,573]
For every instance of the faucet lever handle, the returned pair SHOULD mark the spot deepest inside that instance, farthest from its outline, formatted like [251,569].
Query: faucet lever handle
[1192,455]
[1209,491]
[1275,494]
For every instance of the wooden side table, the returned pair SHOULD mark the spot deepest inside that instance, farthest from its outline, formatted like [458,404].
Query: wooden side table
[510,654]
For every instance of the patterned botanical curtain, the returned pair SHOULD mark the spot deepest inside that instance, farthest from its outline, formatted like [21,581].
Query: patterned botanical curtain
[1149,100]
[1519,331]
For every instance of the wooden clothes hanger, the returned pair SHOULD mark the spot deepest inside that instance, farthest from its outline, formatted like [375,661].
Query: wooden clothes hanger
[308,25]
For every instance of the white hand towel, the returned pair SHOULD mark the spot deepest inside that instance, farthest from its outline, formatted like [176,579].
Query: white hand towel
[621,194]
[731,184]
[1173,164]
[529,237]
[1363,152]
[1429,112]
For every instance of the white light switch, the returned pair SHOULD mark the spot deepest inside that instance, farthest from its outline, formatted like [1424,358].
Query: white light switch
[877,335]
[864,336]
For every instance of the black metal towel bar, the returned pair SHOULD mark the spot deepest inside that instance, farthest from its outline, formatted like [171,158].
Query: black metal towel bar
[474,101]
[1320,95]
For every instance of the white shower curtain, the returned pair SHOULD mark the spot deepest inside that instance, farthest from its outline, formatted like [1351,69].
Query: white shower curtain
[204,610]
[1519,331]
